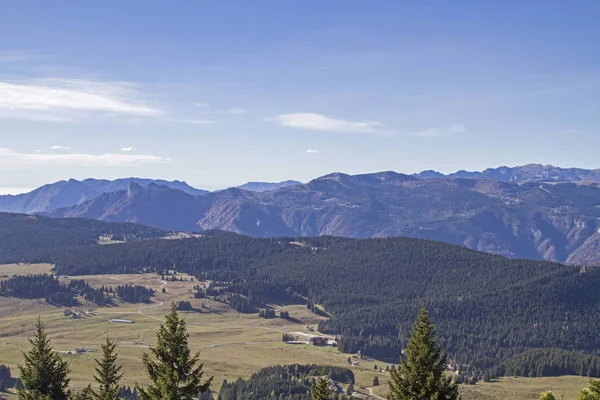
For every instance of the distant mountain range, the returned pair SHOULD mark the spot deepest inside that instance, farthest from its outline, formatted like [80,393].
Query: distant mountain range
[519,216]
[72,192]
[267,186]
[525,173]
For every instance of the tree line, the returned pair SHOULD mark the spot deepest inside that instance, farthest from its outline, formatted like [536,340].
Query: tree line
[48,287]
[41,286]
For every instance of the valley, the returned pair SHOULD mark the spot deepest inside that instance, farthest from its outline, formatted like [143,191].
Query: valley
[232,344]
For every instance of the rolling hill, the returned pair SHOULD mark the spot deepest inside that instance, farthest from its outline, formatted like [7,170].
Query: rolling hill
[23,237]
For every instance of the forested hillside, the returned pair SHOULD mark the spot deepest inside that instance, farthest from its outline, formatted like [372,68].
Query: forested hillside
[487,308]
[26,236]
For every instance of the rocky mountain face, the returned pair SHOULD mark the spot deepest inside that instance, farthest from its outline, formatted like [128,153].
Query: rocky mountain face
[525,173]
[549,220]
[73,192]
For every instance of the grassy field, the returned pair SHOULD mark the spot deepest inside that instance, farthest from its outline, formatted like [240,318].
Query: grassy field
[231,344]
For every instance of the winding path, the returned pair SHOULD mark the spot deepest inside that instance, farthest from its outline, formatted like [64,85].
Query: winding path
[157,304]
[370,389]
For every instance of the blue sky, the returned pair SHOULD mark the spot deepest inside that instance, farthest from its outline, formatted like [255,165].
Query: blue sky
[219,93]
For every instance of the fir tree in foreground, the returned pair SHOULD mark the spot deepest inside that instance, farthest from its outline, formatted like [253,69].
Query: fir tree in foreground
[175,374]
[320,390]
[44,374]
[86,394]
[549,395]
[592,392]
[422,375]
[108,373]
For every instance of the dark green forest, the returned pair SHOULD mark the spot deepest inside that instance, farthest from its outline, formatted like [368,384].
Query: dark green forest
[39,287]
[289,382]
[25,236]
[134,294]
[487,308]
[47,287]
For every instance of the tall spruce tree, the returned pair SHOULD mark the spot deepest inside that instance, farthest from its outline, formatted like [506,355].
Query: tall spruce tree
[44,374]
[175,374]
[108,373]
[422,376]
[320,390]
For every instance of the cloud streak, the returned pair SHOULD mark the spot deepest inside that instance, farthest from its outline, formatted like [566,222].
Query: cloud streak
[127,149]
[58,147]
[312,151]
[320,122]
[60,99]
[14,159]
[440,132]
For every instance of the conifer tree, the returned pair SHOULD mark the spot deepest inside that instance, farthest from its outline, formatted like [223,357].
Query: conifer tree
[320,390]
[108,373]
[350,390]
[421,376]
[44,374]
[549,395]
[174,372]
[85,394]
[592,392]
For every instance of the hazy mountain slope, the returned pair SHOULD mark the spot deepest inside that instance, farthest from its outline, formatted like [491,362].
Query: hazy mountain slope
[73,192]
[156,205]
[267,186]
[557,222]
[524,173]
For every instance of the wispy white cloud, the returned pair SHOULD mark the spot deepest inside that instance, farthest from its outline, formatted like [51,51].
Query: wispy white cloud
[58,147]
[312,151]
[320,122]
[440,132]
[127,149]
[15,159]
[66,99]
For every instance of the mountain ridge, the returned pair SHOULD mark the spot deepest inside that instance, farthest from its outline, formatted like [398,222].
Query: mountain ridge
[70,192]
[267,186]
[523,173]
[552,221]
